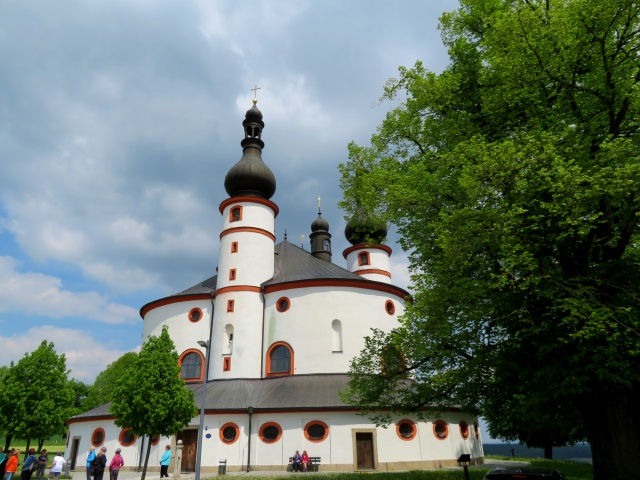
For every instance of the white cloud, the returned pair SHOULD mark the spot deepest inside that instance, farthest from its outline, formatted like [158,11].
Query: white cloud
[39,294]
[85,356]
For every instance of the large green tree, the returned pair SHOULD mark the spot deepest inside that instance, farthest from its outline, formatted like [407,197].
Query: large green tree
[513,178]
[36,396]
[150,397]
[100,392]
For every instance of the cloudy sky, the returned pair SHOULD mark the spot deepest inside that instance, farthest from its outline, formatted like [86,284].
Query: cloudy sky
[120,118]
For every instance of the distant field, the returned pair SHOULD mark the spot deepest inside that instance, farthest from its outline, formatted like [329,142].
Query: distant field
[560,453]
[52,445]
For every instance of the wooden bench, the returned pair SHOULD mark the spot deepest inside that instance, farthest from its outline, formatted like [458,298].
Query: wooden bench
[313,467]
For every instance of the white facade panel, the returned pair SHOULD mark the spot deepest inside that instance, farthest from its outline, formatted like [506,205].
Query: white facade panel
[254,215]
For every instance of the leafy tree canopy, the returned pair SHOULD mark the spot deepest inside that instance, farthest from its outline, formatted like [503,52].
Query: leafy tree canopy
[36,395]
[513,179]
[150,397]
[100,392]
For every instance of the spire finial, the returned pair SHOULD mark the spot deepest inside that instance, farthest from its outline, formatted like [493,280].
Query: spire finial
[302,241]
[319,205]
[285,232]
[255,93]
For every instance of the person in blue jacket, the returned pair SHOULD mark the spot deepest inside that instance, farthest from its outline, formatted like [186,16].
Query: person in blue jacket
[165,461]
[90,457]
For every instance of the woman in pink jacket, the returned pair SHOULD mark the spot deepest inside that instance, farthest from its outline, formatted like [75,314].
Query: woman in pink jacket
[117,462]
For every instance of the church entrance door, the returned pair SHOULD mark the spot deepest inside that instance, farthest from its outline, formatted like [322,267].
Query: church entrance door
[364,449]
[189,448]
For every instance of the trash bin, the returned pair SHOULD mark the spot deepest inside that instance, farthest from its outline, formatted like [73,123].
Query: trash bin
[222,467]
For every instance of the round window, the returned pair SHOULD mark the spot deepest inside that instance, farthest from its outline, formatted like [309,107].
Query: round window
[283,304]
[464,429]
[390,307]
[316,431]
[406,429]
[229,433]
[97,437]
[127,438]
[270,432]
[440,429]
[155,439]
[195,314]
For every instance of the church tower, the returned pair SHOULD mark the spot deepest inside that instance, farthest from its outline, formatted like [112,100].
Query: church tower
[320,237]
[367,256]
[245,259]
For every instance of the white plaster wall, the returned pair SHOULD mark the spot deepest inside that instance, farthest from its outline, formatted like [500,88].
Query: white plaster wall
[246,320]
[376,277]
[307,325]
[131,454]
[253,215]
[253,261]
[184,333]
[378,258]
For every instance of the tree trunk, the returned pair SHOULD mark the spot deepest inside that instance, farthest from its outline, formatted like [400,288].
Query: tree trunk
[40,444]
[613,422]
[548,450]
[7,441]
[26,450]
[146,458]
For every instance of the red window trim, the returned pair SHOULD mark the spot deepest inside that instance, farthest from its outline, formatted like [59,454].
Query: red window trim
[226,364]
[234,247]
[390,307]
[446,429]
[187,352]
[232,274]
[368,258]
[282,299]
[311,424]
[233,209]
[230,305]
[93,442]
[156,441]
[270,424]
[123,432]
[413,426]
[223,428]
[268,362]
[191,316]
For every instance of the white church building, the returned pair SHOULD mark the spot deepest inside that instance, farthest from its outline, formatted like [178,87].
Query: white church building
[271,390]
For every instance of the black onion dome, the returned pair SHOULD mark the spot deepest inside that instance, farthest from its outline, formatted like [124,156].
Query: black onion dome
[320,224]
[251,176]
[365,228]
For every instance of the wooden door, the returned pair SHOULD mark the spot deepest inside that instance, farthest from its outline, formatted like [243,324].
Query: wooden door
[73,455]
[189,448]
[364,449]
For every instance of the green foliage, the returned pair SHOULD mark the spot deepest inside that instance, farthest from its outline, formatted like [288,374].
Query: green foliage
[100,392]
[150,397]
[513,179]
[35,395]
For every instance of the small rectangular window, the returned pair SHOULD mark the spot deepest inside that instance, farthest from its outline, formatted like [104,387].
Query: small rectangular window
[232,274]
[230,305]
[226,364]
[363,258]
[234,247]
[236,214]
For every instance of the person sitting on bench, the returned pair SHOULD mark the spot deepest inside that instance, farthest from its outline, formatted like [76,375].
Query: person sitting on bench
[296,461]
[305,461]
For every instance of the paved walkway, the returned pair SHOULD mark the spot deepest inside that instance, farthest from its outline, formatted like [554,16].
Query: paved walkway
[191,476]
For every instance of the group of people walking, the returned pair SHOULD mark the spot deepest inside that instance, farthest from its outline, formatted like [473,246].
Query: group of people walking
[300,463]
[10,460]
[97,464]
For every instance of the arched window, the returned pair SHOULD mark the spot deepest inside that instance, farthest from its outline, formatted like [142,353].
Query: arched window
[363,259]
[191,363]
[336,336]
[227,341]
[464,429]
[279,360]
[127,438]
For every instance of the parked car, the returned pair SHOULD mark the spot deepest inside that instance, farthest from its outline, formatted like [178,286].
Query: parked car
[528,473]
